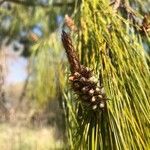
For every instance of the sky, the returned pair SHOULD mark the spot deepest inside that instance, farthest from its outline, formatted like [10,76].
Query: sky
[16,70]
[15,65]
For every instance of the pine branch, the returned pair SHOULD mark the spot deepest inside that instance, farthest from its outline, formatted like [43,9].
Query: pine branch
[116,4]
[30,3]
[83,81]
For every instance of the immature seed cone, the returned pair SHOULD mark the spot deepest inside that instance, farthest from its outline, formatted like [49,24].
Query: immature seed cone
[83,82]
[88,90]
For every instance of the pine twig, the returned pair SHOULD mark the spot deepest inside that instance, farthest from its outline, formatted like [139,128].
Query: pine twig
[82,79]
[30,3]
[71,54]
[116,4]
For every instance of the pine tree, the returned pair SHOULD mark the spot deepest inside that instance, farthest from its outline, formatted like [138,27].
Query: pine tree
[104,87]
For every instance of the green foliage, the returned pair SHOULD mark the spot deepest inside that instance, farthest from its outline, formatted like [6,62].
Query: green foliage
[18,21]
[21,16]
[109,45]
[141,5]
[47,69]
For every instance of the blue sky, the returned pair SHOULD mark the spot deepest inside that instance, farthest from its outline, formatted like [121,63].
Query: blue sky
[16,70]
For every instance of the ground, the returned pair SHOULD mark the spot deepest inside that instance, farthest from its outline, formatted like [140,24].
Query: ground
[27,128]
[16,137]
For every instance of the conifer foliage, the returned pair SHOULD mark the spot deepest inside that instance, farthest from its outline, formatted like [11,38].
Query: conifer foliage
[108,43]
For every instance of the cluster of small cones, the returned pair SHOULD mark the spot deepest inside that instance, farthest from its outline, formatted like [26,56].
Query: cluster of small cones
[83,82]
[87,88]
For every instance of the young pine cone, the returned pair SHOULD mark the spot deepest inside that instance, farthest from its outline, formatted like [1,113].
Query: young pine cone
[86,87]
[83,82]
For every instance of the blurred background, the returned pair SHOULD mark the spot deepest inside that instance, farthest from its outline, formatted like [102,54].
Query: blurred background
[31,57]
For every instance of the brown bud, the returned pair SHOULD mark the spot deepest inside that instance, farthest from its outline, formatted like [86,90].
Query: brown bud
[97,89]
[76,85]
[91,92]
[100,96]
[94,107]
[102,105]
[87,69]
[82,79]
[86,72]
[77,74]
[102,91]
[93,99]
[71,78]
[85,89]
[93,79]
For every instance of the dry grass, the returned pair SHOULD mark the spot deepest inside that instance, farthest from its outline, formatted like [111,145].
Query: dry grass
[23,138]
[22,132]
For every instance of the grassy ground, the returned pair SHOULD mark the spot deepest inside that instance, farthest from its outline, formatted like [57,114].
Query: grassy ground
[13,137]
[29,128]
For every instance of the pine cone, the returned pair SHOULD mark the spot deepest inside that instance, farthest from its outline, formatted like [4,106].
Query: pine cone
[82,80]
[88,90]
